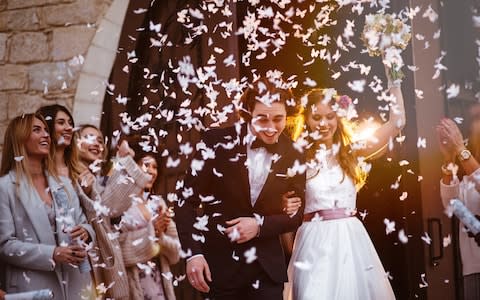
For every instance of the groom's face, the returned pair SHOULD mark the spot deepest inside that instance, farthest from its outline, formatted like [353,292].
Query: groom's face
[268,121]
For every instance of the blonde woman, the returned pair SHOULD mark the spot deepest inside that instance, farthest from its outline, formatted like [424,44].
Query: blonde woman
[43,231]
[105,199]
[333,256]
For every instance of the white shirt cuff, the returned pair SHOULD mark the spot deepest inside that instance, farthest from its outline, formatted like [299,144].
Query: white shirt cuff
[193,256]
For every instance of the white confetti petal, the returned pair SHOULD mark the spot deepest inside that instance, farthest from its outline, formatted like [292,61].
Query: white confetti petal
[390,226]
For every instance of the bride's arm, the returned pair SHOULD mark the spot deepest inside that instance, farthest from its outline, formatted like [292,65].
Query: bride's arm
[391,128]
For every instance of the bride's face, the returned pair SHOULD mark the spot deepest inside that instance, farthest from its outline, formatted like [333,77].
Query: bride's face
[322,120]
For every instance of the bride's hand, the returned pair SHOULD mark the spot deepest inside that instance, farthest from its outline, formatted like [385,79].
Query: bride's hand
[388,73]
[290,203]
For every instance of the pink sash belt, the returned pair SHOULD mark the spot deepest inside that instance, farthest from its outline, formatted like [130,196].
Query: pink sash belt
[329,214]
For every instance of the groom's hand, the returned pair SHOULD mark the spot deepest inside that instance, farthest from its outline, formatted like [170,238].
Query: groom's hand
[197,270]
[242,229]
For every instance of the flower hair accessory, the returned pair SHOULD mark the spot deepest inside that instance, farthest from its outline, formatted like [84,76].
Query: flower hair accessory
[344,107]
[344,101]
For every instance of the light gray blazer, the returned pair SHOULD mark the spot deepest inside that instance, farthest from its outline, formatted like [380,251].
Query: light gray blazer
[27,241]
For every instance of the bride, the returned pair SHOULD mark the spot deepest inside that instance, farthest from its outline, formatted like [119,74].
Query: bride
[333,256]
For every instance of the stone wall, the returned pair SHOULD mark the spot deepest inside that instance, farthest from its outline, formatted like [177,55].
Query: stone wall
[42,48]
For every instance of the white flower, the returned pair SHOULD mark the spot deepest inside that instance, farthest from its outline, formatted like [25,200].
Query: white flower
[201,223]
[369,20]
[393,58]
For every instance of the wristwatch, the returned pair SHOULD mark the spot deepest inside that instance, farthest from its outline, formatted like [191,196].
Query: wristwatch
[464,155]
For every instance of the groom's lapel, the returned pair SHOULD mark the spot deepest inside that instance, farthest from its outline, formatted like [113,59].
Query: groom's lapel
[274,172]
[244,180]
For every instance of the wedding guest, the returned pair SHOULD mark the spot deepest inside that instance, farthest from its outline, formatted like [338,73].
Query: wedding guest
[91,146]
[149,220]
[453,149]
[66,160]
[333,255]
[105,198]
[60,125]
[111,182]
[43,231]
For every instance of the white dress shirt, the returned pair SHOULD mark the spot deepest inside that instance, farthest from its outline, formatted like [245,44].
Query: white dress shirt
[259,162]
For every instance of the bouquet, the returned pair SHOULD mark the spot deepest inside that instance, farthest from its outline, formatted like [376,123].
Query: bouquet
[387,35]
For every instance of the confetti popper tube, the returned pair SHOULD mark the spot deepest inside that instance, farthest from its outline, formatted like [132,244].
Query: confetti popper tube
[465,216]
[32,295]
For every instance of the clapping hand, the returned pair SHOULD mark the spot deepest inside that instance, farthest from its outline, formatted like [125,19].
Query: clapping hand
[446,148]
[161,222]
[450,136]
[124,150]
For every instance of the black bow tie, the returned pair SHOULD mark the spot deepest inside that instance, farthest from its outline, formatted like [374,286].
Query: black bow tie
[258,143]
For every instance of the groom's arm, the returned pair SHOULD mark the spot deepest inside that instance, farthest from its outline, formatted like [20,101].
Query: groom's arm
[274,225]
[196,183]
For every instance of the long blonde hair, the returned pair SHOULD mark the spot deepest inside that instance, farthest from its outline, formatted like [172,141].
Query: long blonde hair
[14,155]
[343,136]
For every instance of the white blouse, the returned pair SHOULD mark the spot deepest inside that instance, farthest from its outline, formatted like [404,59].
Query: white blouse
[467,192]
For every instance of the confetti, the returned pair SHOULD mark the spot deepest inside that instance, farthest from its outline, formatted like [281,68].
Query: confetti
[453,91]
[430,14]
[303,265]
[250,255]
[402,237]
[421,142]
[426,238]
[423,283]
[390,226]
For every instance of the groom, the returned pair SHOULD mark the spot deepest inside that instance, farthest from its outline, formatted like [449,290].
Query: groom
[239,175]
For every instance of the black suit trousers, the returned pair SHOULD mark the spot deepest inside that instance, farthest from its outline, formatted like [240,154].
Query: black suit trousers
[251,283]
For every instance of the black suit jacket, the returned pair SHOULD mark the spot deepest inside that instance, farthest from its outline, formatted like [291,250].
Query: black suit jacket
[223,185]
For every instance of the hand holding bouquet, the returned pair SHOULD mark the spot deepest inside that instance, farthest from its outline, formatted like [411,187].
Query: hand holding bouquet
[387,35]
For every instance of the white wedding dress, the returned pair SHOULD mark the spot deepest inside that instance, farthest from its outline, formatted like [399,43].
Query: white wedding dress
[334,259]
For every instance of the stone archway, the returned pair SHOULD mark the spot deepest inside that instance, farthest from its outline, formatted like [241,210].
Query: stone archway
[42,50]
[93,78]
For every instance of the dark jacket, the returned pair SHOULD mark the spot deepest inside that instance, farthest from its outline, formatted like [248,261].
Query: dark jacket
[225,177]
